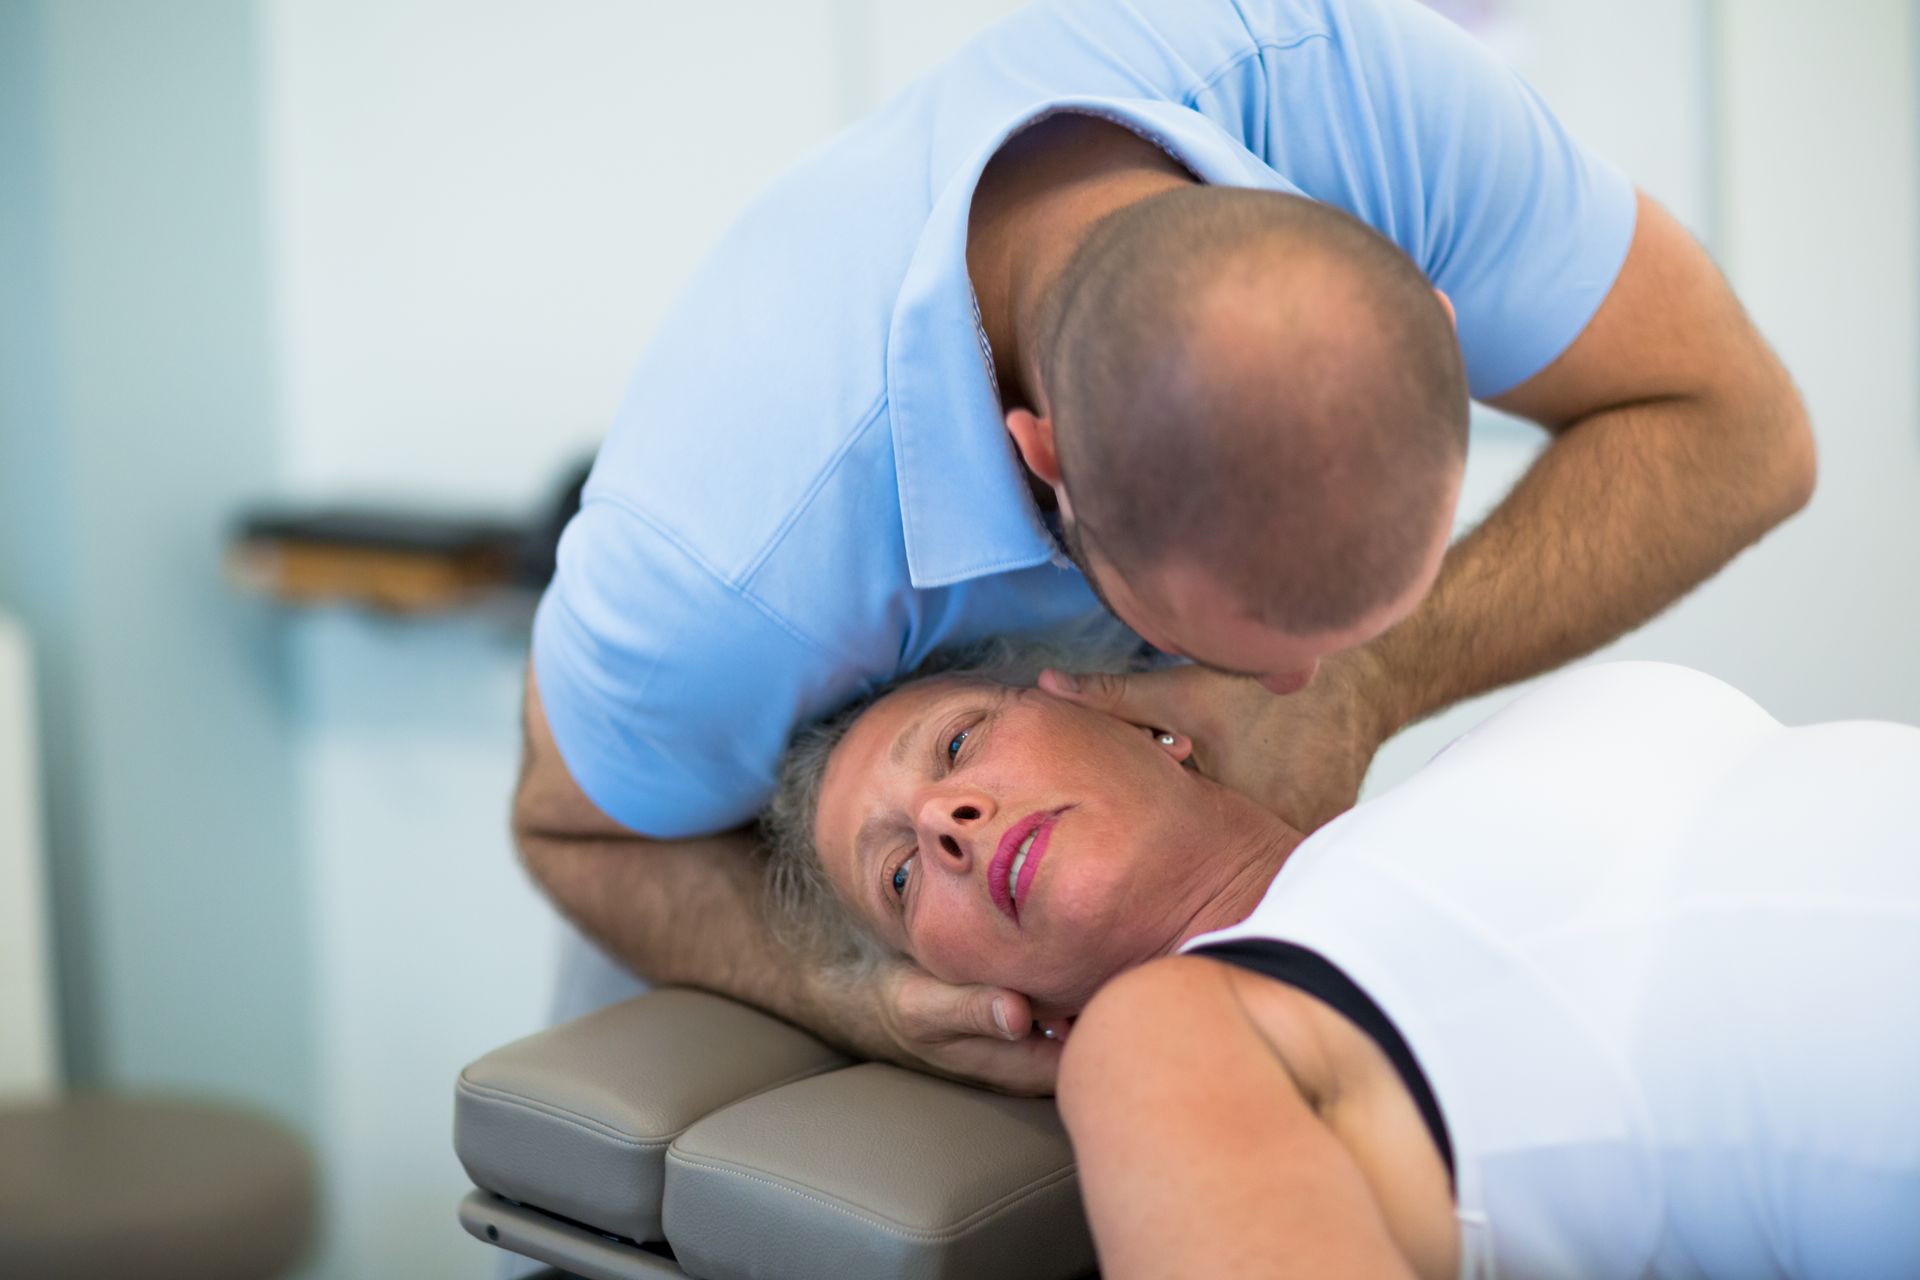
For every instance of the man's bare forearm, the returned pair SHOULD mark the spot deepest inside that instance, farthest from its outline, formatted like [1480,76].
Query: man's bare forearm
[686,912]
[689,911]
[1624,514]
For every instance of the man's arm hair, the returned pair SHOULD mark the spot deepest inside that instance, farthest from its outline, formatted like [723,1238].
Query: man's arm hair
[1678,441]
[686,912]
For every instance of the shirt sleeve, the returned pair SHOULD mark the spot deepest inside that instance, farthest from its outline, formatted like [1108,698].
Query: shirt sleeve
[669,694]
[1405,120]
[1526,228]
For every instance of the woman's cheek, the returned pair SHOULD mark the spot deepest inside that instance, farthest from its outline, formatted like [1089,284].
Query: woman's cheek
[951,947]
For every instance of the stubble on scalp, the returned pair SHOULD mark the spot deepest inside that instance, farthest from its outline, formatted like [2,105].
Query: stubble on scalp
[1259,385]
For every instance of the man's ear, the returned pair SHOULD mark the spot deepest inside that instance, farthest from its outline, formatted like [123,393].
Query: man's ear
[1033,437]
[1447,302]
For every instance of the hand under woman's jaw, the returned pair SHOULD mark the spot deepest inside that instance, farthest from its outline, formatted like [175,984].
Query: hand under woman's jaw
[999,835]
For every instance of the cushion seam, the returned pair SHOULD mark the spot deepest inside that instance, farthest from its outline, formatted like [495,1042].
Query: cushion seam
[872,1217]
[492,1093]
[496,1093]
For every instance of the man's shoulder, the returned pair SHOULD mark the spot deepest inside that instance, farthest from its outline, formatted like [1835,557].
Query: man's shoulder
[731,498]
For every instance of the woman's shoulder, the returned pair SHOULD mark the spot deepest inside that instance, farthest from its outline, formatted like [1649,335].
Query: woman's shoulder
[1310,1043]
[1187,1066]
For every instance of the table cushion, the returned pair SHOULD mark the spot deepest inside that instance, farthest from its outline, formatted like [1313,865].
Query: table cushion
[875,1171]
[576,1120]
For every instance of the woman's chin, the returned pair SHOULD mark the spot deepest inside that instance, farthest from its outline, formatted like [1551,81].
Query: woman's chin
[1062,1002]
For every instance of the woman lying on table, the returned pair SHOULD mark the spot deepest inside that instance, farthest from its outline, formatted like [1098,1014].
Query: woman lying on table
[1624,982]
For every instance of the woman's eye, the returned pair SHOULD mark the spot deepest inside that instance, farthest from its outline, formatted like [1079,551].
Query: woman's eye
[900,877]
[955,743]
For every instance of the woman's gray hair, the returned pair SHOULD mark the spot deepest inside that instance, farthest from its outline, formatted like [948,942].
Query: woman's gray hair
[805,910]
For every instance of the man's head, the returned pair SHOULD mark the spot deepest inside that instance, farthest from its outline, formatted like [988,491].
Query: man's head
[1252,410]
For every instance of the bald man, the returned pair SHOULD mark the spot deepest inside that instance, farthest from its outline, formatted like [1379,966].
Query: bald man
[1174,307]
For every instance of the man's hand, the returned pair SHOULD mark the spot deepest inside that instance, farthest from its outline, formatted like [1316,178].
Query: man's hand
[1303,756]
[979,1034]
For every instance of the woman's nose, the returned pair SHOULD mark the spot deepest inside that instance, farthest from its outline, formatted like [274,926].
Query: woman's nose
[952,827]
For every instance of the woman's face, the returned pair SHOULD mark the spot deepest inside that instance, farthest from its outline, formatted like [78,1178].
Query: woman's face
[1001,835]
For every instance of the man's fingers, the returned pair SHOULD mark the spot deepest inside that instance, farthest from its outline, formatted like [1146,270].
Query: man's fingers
[1029,1068]
[1157,700]
[932,1011]
[993,1012]
[981,1034]
[1100,691]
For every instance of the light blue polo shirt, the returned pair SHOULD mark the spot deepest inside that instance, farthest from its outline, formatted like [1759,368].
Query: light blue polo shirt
[809,487]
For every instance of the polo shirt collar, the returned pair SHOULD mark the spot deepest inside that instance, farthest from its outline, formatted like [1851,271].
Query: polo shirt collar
[965,507]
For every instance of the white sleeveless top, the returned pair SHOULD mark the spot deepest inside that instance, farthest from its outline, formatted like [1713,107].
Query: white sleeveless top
[1659,958]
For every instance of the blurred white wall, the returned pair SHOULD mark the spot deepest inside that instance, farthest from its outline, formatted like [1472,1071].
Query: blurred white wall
[483,209]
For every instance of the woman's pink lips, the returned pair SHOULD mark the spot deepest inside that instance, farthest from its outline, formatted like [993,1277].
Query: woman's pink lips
[998,870]
[1032,864]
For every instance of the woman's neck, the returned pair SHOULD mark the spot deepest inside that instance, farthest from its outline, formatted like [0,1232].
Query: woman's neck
[1248,847]
[1257,846]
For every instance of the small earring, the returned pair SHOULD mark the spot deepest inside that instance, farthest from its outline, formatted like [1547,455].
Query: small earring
[1166,739]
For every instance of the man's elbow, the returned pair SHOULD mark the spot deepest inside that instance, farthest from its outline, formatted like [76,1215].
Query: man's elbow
[532,840]
[1782,463]
[1795,468]
[549,827]
[1805,465]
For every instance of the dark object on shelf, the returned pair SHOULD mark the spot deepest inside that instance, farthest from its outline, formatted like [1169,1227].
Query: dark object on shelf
[538,550]
[396,560]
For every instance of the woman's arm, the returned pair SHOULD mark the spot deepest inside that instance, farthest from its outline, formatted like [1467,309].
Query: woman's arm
[1198,1153]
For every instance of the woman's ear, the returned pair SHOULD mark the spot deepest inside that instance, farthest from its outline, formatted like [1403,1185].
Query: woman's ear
[1177,745]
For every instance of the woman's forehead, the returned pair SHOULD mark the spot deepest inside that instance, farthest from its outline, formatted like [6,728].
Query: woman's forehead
[879,727]
[872,748]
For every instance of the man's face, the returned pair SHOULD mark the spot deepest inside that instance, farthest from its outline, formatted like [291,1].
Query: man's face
[1183,610]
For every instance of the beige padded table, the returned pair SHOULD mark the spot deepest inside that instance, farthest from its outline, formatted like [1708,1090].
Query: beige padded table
[680,1134]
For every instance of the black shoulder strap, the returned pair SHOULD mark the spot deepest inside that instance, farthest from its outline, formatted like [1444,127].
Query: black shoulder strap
[1319,977]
